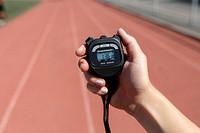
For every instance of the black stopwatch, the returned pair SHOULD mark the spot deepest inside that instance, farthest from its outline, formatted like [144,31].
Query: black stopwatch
[105,56]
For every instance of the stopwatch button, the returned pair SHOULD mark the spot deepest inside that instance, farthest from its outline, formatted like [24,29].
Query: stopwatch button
[116,36]
[103,37]
[89,40]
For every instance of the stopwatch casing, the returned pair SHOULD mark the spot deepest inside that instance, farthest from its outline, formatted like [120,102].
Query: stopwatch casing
[105,56]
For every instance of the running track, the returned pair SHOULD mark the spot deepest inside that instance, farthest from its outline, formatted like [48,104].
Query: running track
[42,90]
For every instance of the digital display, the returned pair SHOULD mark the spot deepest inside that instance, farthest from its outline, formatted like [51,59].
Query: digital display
[105,55]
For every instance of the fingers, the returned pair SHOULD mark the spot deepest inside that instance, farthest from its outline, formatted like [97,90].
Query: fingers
[94,80]
[96,85]
[81,51]
[96,90]
[83,65]
[130,43]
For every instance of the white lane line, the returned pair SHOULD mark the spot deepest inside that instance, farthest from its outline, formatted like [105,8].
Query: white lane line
[94,19]
[27,72]
[87,107]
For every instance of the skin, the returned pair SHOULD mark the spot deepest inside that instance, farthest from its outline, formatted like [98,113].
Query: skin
[136,95]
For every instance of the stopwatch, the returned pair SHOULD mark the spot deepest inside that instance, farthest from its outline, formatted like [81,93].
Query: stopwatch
[105,55]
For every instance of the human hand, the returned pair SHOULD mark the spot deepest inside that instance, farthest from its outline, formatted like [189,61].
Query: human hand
[133,80]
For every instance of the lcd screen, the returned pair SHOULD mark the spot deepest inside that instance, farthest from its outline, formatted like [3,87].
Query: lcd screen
[105,56]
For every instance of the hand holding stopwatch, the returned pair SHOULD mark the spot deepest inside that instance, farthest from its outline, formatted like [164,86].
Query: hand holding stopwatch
[105,57]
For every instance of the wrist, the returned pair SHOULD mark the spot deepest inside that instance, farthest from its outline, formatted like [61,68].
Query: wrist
[147,110]
[134,107]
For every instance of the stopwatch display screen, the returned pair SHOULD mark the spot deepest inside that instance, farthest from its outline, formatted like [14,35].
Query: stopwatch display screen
[105,55]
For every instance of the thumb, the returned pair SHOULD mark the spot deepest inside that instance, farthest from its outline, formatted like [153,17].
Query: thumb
[132,47]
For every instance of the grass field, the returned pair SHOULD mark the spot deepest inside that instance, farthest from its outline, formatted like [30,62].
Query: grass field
[16,7]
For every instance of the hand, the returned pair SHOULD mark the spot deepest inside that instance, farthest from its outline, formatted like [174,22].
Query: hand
[134,78]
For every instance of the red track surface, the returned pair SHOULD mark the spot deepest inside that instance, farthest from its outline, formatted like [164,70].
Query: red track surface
[42,90]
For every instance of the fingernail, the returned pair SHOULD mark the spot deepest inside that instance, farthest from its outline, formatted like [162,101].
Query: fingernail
[103,91]
[81,47]
[79,50]
[120,29]
[99,82]
[81,66]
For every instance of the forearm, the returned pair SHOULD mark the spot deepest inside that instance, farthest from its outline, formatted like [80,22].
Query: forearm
[157,115]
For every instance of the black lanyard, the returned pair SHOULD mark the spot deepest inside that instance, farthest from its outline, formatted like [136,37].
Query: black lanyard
[106,102]
[112,87]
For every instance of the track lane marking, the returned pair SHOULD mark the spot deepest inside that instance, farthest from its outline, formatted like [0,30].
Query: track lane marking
[87,107]
[94,19]
[12,104]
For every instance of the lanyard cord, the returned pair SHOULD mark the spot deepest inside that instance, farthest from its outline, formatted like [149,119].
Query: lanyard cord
[112,87]
[106,112]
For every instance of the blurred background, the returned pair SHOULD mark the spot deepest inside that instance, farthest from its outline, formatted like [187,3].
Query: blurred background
[13,8]
[179,15]
[42,89]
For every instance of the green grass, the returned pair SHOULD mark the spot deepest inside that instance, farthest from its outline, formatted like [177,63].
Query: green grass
[16,7]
